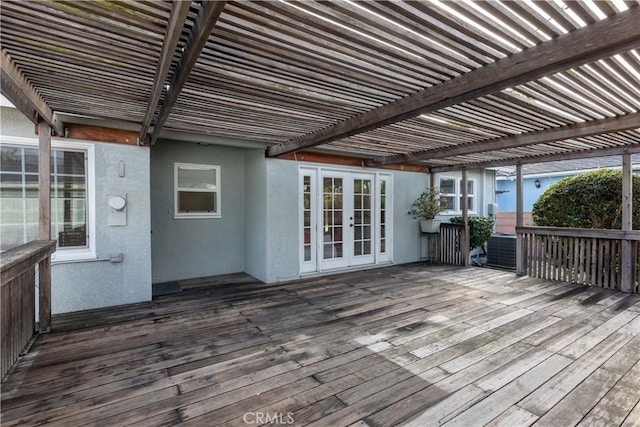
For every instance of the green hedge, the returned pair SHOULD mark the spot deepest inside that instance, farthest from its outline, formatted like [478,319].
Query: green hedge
[480,229]
[587,200]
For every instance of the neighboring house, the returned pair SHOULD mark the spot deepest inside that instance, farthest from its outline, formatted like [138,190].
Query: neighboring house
[207,207]
[536,179]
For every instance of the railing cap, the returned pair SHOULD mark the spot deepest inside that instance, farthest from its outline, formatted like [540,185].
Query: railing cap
[16,261]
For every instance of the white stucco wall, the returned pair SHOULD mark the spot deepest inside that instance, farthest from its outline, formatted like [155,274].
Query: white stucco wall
[282,216]
[256,214]
[85,285]
[93,283]
[188,248]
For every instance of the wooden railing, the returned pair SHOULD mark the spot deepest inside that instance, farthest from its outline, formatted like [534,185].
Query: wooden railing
[451,243]
[17,268]
[583,256]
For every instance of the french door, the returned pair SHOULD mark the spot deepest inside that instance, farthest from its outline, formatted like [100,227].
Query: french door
[344,219]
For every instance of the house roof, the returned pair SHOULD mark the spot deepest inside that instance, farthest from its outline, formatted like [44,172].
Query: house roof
[568,166]
[444,84]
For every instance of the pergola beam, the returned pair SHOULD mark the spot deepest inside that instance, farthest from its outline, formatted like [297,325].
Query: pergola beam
[177,20]
[202,28]
[554,157]
[579,130]
[607,37]
[17,89]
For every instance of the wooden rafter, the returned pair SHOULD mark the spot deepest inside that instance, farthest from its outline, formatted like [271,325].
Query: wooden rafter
[203,26]
[594,127]
[554,157]
[179,13]
[17,89]
[616,34]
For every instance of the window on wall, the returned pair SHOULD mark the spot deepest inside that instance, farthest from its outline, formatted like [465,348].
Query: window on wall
[453,189]
[197,191]
[383,216]
[70,201]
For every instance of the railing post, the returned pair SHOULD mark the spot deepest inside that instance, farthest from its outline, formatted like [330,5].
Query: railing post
[520,252]
[626,250]
[44,221]
[465,220]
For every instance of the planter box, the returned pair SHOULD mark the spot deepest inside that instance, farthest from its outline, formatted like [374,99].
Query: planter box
[430,225]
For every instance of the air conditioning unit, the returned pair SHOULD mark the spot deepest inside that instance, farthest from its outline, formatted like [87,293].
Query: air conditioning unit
[501,251]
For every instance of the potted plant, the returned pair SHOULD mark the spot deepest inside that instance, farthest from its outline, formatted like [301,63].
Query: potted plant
[427,206]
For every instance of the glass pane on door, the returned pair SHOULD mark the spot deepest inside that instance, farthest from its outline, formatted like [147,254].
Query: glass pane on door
[332,213]
[362,217]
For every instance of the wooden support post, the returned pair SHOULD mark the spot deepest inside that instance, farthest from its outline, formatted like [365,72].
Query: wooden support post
[520,261]
[432,179]
[44,221]
[626,253]
[465,219]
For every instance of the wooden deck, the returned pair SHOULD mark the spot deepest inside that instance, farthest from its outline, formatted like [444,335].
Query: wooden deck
[416,345]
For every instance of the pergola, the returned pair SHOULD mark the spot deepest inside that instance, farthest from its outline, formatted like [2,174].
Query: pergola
[446,85]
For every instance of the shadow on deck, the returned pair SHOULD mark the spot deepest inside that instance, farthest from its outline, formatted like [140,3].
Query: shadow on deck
[415,345]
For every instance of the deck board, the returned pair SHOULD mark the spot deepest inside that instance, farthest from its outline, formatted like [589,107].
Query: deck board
[420,345]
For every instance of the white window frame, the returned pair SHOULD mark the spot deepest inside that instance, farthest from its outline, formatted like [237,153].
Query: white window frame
[89,251]
[316,173]
[215,189]
[310,265]
[387,255]
[457,209]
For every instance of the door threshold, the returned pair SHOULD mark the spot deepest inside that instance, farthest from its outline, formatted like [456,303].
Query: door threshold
[344,270]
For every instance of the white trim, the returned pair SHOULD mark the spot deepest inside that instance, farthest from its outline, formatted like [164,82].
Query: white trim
[216,190]
[71,254]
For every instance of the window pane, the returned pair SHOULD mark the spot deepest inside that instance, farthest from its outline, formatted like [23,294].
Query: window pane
[12,235]
[469,187]
[357,217]
[450,203]
[31,160]
[196,178]
[448,185]
[357,248]
[69,162]
[31,187]
[72,212]
[367,247]
[69,187]
[11,158]
[71,236]
[366,187]
[10,186]
[195,202]
[469,201]
[19,191]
